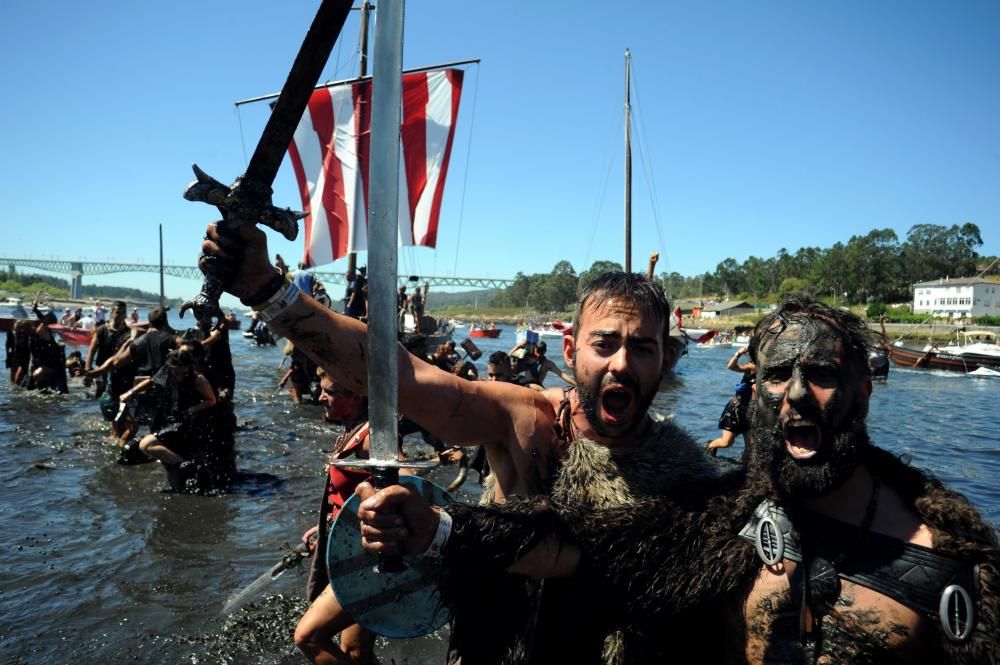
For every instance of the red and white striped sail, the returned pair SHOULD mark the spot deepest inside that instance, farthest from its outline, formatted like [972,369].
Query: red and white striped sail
[330,155]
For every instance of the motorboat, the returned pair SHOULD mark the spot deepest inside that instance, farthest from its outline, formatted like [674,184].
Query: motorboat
[556,329]
[491,333]
[72,336]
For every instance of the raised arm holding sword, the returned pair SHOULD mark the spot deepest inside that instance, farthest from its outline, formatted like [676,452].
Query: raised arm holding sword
[618,354]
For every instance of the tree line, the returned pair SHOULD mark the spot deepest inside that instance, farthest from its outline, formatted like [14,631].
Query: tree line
[876,267]
[14,281]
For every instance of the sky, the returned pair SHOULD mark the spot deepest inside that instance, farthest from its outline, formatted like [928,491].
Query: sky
[756,126]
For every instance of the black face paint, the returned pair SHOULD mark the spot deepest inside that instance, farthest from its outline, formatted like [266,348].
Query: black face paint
[796,359]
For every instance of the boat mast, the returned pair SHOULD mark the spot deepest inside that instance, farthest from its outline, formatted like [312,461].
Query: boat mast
[628,168]
[162,299]
[352,257]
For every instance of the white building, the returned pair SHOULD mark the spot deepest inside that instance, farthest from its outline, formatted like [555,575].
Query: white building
[965,297]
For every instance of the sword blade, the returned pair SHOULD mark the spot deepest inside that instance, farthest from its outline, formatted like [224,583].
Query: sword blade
[294,97]
[383,232]
[249,592]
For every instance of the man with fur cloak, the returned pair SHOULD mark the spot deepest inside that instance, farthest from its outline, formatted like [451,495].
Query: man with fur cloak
[827,550]
[593,446]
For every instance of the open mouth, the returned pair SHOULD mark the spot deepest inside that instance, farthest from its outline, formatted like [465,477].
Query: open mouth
[802,440]
[615,403]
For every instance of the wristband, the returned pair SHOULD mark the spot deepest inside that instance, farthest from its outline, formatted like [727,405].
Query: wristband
[265,292]
[436,547]
[279,302]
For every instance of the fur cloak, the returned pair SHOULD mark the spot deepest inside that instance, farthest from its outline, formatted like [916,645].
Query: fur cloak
[671,574]
[666,565]
[556,620]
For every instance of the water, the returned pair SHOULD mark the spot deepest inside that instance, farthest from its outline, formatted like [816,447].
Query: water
[102,565]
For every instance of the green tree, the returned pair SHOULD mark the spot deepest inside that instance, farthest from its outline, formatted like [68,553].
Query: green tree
[932,251]
[873,266]
[732,277]
[562,284]
[597,268]
[791,285]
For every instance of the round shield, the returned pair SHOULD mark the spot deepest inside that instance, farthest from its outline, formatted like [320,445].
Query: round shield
[400,605]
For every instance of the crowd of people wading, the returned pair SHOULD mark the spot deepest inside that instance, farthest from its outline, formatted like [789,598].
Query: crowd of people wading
[820,547]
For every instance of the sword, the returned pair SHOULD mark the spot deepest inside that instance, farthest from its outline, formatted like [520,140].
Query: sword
[292,559]
[383,232]
[405,603]
[248,199]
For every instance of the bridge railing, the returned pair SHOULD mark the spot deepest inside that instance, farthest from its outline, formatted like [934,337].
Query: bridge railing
[79,268]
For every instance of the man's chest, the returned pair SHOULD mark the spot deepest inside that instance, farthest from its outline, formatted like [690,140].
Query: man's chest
[858,626]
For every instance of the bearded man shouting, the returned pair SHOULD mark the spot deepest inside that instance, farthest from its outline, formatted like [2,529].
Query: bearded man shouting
[827,550]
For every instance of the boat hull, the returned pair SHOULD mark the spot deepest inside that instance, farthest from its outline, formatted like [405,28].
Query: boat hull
[907,356]
[73,336]
[492,334]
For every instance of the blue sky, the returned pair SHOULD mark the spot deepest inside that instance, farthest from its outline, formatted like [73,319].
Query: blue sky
[763,125]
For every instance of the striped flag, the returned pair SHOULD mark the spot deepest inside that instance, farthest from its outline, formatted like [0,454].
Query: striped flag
[330,155]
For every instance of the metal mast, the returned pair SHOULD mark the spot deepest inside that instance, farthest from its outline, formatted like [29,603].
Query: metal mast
[628,167]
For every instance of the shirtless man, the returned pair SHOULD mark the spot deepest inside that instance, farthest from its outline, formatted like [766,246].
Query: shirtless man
[498,367]
[791,563]
[106,342]
[618,355]
[534,367]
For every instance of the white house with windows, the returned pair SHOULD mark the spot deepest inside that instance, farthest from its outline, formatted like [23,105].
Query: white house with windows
[959,298]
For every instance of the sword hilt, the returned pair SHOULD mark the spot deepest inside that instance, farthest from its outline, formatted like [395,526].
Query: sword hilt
[292,559]
[206,303]
[382,477]
[244,202]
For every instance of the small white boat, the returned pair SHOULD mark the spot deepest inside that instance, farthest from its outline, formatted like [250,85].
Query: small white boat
[713,344]
[986,371]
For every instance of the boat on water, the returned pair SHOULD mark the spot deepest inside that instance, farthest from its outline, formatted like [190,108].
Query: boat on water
[716,343]
[970,351]
[72,336]
[491,333]
[556,329]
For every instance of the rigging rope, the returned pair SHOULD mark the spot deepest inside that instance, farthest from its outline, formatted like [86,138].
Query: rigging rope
[648,172]
[600,196]
[465,177]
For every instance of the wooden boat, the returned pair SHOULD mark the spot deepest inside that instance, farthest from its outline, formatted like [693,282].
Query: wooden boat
[971,351]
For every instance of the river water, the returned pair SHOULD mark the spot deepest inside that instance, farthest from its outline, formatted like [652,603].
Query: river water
[101,564]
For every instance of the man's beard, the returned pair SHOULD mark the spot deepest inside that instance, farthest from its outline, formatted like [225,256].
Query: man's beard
[841,452]
[590,401]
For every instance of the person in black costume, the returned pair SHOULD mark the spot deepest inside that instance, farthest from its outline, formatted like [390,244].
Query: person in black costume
[186,426]
[734,420]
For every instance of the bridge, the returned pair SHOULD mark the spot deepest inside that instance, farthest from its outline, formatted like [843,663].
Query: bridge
[77,269]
